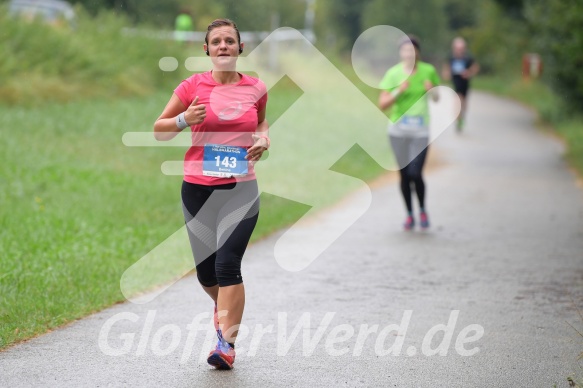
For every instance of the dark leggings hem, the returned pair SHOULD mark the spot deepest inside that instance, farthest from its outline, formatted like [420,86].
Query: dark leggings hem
[208,285]
[232,282]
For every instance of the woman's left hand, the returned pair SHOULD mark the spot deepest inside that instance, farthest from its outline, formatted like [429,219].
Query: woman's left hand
[432,92]
[255,152]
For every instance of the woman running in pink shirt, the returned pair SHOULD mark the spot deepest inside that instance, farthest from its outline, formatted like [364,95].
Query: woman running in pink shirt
[225,111]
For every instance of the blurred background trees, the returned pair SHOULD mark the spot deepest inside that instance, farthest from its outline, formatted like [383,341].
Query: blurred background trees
[499,32]
[556,31]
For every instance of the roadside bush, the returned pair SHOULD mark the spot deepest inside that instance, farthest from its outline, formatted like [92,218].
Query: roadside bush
[44,63]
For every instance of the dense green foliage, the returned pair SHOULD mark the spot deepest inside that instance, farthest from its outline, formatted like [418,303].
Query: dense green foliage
[95,59]
[250,15]
[499,33]
[497,41]
[557,27]
[425,19]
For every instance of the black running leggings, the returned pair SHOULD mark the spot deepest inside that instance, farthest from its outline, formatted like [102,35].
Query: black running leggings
[220,220]
[410,154]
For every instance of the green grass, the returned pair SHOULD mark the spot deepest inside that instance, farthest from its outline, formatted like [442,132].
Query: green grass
[79,207]
[551,110]
[533,93]
[572,131]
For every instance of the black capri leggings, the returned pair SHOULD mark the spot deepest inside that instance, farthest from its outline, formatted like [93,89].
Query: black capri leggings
[220,220]
[410,154]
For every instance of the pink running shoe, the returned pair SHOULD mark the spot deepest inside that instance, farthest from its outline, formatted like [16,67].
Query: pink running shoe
[424,220]
[222,356]
[409,223]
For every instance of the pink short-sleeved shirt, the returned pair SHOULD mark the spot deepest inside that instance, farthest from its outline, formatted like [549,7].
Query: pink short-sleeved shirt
[231,119]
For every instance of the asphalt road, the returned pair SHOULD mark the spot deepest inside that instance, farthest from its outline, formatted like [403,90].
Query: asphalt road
[485,298]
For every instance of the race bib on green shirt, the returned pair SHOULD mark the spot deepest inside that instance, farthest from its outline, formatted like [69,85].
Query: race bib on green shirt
[411,122]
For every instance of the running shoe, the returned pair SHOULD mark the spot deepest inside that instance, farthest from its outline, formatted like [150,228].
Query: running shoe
[409,223]
[424,220]
[222,356]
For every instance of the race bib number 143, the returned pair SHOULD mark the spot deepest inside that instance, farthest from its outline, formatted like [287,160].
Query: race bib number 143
[224,161]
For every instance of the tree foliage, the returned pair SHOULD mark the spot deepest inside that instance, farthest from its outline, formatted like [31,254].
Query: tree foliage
[249,14]
[425,19]
[460,14]
[496,40]
[344,18]
[499,32]
[512,8]
[558,35]
[142,11]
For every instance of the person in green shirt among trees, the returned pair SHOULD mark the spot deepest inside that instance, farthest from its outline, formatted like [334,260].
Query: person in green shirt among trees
[182,26]
[405,89]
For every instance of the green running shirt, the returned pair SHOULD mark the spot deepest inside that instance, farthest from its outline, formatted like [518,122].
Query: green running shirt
[414,98]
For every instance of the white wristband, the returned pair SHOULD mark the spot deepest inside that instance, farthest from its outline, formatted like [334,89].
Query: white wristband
[395,93]
[181,121]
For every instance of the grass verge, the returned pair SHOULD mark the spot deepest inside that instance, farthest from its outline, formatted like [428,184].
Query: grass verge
[79,207]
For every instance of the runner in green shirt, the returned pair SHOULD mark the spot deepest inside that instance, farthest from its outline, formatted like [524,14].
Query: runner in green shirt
[405,90]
